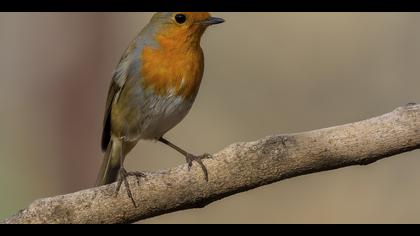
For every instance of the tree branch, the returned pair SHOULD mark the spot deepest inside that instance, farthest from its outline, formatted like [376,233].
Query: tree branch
[236,168]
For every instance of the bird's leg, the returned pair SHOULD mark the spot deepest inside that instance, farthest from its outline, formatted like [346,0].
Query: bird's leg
[122,177]
[190,157]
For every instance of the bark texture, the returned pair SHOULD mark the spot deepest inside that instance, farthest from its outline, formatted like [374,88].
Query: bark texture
[237,168]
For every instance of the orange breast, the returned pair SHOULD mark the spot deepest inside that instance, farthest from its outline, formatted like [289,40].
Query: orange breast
[172,68]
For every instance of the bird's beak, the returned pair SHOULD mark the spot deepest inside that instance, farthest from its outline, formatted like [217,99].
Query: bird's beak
[212,21]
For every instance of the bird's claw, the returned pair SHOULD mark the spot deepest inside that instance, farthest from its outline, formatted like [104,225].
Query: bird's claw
[122,177]
[190,158]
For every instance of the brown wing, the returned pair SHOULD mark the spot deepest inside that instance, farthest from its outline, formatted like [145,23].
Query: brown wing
[106,131]
[117,84]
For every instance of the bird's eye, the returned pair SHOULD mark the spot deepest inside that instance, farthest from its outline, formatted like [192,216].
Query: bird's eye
[180,18]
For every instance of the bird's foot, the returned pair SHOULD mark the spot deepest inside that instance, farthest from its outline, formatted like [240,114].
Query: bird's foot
[122,177]
[190,158]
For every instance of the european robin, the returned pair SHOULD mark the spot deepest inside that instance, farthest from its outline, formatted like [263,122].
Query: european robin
[152,89]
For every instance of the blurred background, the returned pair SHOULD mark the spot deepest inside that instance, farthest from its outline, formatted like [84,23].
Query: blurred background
[266,73]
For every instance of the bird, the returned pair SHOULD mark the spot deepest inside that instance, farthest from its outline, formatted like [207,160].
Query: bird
[152,89]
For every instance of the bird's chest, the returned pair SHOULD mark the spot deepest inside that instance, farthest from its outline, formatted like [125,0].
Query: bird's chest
[170,82]
[172,72]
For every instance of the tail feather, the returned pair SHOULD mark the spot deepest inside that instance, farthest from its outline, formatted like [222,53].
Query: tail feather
[108,172]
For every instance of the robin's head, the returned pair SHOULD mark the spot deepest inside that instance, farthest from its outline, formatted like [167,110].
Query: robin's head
[181,27]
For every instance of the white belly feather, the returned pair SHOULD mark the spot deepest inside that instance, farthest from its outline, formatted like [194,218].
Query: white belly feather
[162,114]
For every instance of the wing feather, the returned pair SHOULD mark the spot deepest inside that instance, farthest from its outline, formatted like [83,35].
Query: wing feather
[118,81]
